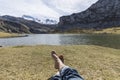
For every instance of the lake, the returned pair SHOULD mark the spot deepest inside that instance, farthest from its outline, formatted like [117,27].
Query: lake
[107,40]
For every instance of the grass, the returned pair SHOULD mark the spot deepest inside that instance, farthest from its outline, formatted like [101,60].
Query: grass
[115,30]
[35,63]
[3,35]
[7,35]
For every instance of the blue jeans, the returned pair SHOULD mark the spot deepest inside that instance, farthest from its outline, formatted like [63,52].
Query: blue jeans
[67,73]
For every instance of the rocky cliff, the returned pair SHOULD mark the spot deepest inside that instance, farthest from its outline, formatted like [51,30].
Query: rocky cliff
[102,14]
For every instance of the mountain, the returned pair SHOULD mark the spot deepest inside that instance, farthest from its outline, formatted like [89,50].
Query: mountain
[27,17]
[102,14]
[42,20]
[8,26]
[16,24]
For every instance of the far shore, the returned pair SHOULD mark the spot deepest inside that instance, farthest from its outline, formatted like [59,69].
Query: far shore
[115,30]
[11,35]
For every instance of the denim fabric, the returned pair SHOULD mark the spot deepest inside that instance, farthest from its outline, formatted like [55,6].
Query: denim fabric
[67,73]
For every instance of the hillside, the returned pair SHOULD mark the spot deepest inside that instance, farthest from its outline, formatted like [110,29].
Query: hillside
[8,26]
[21,25]
[102,14]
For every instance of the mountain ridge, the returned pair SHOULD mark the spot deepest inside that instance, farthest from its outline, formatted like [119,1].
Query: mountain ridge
[100,15]
[14,24]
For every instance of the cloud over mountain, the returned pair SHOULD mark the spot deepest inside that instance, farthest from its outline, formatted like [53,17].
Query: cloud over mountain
[51,8]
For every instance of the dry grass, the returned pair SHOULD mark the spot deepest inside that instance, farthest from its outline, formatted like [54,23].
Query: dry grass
[35,63]
[7,35]
[115,30]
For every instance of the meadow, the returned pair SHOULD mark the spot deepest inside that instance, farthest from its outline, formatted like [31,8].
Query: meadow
[35,62]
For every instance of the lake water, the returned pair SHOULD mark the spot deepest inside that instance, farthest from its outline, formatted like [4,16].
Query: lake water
[107,40]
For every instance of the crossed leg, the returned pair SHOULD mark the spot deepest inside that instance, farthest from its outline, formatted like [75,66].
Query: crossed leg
[64,72]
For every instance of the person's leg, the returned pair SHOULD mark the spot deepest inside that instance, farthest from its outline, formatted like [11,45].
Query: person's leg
[58,65]
[65,72]
[58,61]
[55,77]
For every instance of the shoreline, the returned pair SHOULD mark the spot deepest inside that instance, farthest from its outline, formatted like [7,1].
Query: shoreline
[114,30]
[11,35]
[20,35]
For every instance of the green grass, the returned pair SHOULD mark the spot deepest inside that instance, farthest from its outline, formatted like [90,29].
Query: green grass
[35,63]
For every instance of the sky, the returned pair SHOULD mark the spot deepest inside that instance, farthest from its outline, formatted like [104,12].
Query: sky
[48,8]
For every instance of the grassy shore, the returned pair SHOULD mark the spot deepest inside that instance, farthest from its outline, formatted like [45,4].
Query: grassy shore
[3,34]
[115,30]
[35,63]
[8,35]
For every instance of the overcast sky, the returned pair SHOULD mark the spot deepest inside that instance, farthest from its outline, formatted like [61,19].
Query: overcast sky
[50,8]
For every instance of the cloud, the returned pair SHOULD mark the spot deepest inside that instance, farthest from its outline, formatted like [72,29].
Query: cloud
[52,8]
[30,7]
[66,7]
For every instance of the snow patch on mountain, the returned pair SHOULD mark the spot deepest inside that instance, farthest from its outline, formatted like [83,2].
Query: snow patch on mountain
[41,19]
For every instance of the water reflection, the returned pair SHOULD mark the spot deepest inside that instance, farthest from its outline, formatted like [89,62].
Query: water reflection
[106,40]
[73,39]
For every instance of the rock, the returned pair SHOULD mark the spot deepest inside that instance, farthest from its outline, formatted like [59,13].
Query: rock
[102,14]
